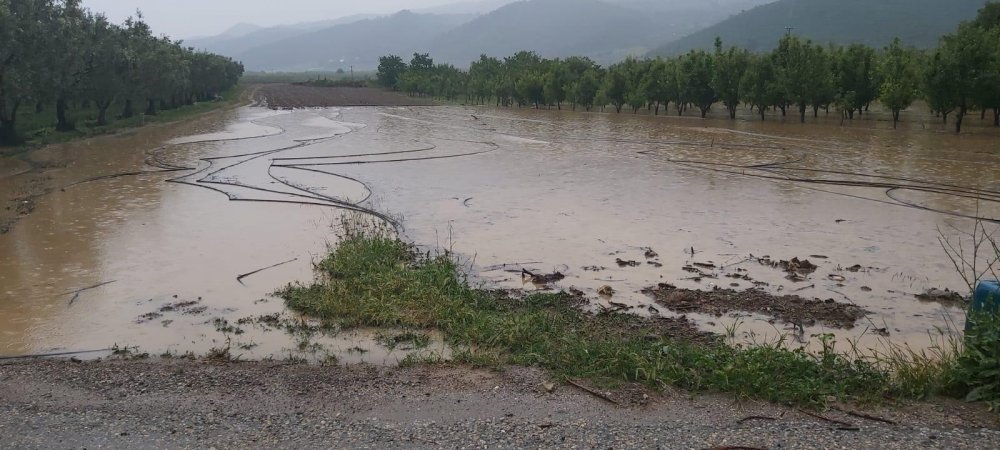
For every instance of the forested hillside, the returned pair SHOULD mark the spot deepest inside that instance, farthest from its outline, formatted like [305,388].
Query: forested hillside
[358,43]
[552,28]
[236,42]
[56,54]
[876,23]
[605,30]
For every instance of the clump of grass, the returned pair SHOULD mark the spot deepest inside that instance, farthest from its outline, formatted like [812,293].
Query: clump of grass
[376,280]
[976,373]
[408,340]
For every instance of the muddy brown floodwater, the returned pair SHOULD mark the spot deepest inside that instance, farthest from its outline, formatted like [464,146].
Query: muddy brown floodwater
[151,259]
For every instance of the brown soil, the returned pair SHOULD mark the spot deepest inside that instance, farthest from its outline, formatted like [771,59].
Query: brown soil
[278,96]
[790,308]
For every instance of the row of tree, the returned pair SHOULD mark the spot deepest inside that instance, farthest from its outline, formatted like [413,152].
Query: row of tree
[55,52]
[960,75]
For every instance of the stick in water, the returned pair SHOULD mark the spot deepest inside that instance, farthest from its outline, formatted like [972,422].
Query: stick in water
[76,293]
[241,277]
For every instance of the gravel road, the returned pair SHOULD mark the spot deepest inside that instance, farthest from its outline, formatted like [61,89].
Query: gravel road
[179,404]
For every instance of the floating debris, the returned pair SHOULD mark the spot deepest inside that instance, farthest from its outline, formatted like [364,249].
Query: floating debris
[623,263]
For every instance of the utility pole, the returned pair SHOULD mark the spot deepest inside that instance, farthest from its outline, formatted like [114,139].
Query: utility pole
[352,73]
[788,31]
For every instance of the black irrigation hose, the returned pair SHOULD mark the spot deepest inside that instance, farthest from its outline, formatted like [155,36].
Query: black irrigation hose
[428,158]
[962,193]
[886,177]
[889,194]
[889,186]
[306,169]
[302,158]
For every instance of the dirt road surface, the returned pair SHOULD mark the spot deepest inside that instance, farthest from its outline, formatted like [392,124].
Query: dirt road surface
[178,404]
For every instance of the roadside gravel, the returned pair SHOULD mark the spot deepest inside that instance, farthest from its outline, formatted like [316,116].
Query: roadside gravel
[177,404]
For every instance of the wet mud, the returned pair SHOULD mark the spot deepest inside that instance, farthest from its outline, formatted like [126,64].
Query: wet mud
[284,96]
[790,309]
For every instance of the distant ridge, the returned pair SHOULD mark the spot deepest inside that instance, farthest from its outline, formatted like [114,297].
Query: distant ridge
[873,22]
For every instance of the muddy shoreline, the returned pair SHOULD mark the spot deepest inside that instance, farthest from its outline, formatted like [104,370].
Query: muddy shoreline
[227,405]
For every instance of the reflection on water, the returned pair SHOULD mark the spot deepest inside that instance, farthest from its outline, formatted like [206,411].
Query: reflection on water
[508,189]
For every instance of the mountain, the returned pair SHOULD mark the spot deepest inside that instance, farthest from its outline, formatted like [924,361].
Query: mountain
[244,37]
[874,22]
[359,43]
[551,28]
[605,30]
[470,7]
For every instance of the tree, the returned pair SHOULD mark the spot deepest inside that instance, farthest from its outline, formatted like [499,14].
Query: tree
[105,67]
[897,69]
[530,89]
[615,87]
[759,86]
[554,85]
[390,68]
[23,42]
[696,70]
[802,71]
[960,70]
[585,90]
[655,84]
[856,72]
[728,70]
[421,62]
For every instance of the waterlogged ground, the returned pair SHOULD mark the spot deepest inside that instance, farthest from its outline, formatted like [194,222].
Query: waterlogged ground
[152,259]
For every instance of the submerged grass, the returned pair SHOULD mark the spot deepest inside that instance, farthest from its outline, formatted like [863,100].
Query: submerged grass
[375,280]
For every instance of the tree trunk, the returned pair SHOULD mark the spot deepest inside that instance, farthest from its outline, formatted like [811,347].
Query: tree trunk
[657,112]
[8,130]
[895,117]
[784,110]
[39,107]
[996,117]
[815,111]
[151,107]
[62,123]
[958,119]
[802,112]
[732,112]
[762,111]
[128,112]
[102,112]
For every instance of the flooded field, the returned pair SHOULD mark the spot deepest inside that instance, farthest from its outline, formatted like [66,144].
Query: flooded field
[158,238]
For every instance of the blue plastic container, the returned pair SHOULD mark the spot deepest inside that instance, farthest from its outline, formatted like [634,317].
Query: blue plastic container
[986,300]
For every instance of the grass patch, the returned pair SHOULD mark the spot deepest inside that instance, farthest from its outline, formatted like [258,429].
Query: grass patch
[408,340]
[39,128]
[373,280]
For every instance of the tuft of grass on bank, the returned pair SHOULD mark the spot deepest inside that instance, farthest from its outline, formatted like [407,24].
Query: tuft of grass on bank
[375,280]
[38,129]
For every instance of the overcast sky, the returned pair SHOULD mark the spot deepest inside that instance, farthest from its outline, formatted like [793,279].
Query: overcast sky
[190,18]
